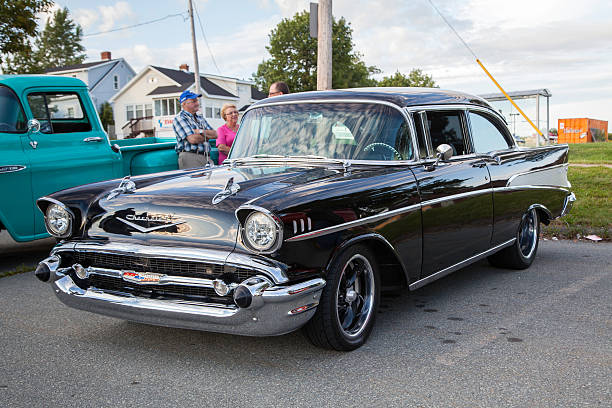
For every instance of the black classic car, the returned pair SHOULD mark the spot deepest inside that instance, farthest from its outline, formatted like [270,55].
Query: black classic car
[327,199]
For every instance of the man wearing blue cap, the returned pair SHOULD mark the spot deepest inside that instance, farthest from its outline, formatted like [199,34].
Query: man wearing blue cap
[192,131]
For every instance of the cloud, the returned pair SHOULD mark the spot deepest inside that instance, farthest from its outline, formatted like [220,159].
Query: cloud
[103,18]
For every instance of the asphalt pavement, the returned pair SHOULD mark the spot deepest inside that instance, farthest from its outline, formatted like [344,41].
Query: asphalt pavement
[481,337]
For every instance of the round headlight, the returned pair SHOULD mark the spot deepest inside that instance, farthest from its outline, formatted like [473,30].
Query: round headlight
[260,231]
[58,220]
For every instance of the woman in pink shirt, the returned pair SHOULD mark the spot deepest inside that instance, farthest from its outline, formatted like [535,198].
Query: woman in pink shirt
[227,132]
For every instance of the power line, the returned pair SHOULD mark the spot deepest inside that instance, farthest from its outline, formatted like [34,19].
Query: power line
[137,25]
[451,27]
[206,41]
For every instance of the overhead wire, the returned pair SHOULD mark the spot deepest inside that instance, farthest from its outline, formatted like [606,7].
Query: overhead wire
[485,70]
[205,40]
[137,25]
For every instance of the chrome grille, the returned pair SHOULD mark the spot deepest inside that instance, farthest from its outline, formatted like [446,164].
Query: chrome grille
[111,284]
[165,266]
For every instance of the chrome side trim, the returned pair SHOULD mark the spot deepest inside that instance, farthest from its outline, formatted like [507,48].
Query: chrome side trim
[217,257]
[546,169]
[386,214]
[542,208]
[459,265]
[351,224]
[11,168]
[530,187]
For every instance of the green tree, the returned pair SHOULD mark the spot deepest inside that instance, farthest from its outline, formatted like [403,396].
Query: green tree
[57,45]
[293,57]
[18,24]
[106,115]
[416,77]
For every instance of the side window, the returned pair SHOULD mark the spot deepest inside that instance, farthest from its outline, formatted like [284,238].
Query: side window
[445,128]
[59,112]
[12,119]
[485,135]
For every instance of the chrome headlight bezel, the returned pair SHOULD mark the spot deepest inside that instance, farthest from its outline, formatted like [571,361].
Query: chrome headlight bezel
[275,227]
[58,211]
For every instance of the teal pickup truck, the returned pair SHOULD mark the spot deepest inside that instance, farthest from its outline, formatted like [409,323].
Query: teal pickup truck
[51,138]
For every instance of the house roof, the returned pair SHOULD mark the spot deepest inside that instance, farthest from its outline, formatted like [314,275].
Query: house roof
[257,94]
[78,66]
[186,79]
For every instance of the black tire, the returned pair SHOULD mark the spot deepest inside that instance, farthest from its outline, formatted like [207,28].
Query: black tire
[521,254]
[349,302]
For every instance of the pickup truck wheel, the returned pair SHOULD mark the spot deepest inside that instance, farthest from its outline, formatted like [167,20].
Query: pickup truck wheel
[347,309]
[522,253]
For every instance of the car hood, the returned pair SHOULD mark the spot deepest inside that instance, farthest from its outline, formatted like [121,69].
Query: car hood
[198,207]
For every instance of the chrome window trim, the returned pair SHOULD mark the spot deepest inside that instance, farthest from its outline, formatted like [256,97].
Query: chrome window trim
[428,148]
[401,110]
[386,214]
[459,265]
[457,106]
[11,168]
[514,176]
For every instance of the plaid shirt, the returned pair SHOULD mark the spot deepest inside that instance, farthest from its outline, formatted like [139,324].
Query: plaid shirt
[184,124]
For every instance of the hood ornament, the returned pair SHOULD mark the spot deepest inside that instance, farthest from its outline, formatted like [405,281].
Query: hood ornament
[126,186]
[229,189]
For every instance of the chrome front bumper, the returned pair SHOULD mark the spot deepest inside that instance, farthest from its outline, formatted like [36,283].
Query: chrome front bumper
[275,309]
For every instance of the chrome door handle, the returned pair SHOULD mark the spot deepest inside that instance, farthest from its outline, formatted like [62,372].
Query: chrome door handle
[93,139]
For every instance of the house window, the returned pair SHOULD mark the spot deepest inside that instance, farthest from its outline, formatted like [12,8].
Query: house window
[129,112]
[116,82]
[208,112]
[148,110]
[217,112]
[165,107]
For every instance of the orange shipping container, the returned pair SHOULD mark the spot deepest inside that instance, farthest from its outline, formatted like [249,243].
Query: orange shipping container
[582,130]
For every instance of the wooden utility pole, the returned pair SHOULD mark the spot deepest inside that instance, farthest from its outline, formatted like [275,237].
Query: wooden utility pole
[196,63]
[324,49]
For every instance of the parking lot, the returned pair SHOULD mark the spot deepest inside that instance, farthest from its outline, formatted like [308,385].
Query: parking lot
[479,337]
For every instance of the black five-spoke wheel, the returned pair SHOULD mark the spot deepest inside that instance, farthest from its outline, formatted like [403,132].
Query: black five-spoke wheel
[346,311]
[521,254]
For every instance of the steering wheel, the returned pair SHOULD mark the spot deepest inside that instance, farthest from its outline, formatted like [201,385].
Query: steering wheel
[373,146]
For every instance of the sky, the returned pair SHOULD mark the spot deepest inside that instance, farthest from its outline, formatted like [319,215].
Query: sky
[562,45]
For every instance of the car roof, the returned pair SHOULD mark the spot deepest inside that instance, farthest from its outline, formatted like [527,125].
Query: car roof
[402,97]
[20,82]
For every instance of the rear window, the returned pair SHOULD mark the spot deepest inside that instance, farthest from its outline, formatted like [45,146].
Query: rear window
[12,119]
[59,112]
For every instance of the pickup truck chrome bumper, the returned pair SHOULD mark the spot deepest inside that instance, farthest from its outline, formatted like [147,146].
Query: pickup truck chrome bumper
[272,309]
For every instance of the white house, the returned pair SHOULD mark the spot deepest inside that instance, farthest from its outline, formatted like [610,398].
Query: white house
[104,78]
[150,101]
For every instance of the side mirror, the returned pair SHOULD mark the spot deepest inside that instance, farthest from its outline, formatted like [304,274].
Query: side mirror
[115,148]
[444,152]
[33,126]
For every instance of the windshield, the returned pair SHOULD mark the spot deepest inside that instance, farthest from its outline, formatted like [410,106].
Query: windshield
[358,131]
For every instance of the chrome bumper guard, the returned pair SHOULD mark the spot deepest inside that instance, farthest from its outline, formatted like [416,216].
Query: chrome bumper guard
[273,309]
[568,204]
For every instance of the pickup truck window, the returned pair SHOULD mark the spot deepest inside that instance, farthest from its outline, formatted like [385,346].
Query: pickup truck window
[12,118]
[59,112]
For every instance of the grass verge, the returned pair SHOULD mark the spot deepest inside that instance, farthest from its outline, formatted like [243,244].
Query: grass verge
[591,153]
[592,211]
[19,269]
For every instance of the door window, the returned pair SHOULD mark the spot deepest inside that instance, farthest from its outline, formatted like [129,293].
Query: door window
[486,135]
[59,112]
[445,127]
[12,119]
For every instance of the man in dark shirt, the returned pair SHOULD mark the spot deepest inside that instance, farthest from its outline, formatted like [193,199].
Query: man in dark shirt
[192,132]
